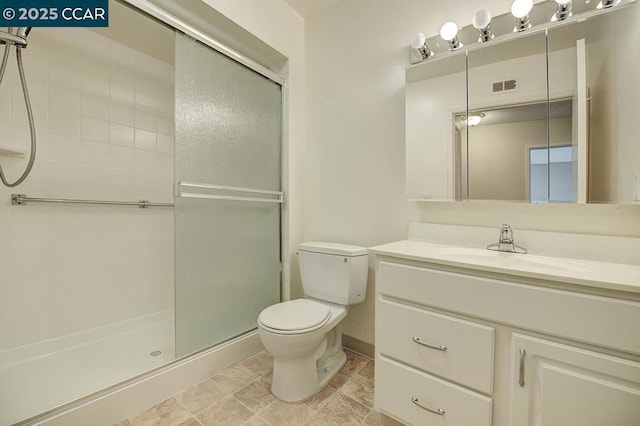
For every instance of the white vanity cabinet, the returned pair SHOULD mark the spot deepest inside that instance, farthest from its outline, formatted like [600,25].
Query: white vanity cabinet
[460,346]
[555,384]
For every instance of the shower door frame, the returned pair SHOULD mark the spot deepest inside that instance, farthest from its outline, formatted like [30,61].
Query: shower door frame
[157,13]
[160,14]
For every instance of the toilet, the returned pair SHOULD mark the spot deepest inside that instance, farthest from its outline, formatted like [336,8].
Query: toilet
[304,335]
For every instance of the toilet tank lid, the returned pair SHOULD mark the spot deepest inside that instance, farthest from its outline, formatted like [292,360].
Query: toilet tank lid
[333,248]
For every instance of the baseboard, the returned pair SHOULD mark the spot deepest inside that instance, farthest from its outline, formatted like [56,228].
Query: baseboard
[359,346]
[388,421]
[113,405]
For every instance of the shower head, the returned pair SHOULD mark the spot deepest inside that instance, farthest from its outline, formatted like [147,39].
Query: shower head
[18,40]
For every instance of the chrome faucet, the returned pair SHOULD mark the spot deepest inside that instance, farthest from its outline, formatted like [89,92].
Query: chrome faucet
[505,242]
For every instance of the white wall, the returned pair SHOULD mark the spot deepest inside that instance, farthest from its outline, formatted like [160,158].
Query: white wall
[104,121]
[355,180]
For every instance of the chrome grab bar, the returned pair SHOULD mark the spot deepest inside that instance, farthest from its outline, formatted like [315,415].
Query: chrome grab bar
[438,411]
[23,200]
[417,340]
[279,196]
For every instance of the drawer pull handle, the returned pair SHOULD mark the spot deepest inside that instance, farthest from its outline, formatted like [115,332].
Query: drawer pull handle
[438,411]
[428,345]
[521,375]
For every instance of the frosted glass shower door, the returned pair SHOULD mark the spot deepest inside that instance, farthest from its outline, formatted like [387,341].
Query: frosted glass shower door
[228,133]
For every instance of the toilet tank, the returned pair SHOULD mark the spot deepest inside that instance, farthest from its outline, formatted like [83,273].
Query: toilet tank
[335,273]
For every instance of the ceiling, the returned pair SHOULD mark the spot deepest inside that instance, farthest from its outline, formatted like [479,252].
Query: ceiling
[309,8]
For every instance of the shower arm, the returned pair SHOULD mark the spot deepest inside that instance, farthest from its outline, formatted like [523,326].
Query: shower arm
[5,54]
[23,82]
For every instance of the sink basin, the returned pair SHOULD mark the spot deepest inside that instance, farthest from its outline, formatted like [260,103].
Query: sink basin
[467,251]
[563,264]
[513,260]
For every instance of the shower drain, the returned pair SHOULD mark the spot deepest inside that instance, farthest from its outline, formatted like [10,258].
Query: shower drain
[155,353]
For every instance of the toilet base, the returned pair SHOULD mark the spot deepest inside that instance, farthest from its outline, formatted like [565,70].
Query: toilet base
[304,377]
[329,371]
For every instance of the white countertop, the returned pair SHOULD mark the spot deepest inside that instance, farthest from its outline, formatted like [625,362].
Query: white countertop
[591,273]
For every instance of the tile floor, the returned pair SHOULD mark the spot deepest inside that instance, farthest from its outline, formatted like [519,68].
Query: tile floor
[241,395]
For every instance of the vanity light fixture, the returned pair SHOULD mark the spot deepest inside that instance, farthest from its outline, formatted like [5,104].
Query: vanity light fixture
[605,4]
[449,33]
[482,22]
[419,43]
[563,10]
[520,10]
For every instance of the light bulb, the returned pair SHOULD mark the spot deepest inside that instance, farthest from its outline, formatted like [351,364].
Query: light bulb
[482,22]
[449,31]
[605,4]
[474,119]
[418,41]
[563,12]
[481,19]
[521,8]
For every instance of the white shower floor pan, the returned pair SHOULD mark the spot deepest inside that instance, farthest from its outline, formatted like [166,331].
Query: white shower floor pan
[45,375]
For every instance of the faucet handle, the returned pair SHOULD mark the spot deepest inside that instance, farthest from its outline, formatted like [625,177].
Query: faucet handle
[506,232]
[506,242]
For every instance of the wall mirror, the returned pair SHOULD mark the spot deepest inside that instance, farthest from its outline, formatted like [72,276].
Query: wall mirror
[543,116]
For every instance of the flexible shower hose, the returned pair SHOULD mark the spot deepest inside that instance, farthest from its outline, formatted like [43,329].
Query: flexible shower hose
[27,101]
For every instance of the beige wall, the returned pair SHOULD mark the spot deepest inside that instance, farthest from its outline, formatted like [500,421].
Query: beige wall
[357,52]
[432,104]
[615,100]
[602,135]
[498,158]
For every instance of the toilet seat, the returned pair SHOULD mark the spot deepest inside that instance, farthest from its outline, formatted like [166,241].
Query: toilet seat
[294,317]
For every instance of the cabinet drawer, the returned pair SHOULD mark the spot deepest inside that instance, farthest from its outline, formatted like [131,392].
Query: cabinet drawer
[448,347]
[397,387]
[562,313]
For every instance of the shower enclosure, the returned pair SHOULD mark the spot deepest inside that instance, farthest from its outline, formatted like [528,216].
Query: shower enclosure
[228,212]
[95,294]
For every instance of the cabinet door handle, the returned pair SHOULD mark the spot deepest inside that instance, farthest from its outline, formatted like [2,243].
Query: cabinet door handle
[521,375]
[438,411]
[428,345]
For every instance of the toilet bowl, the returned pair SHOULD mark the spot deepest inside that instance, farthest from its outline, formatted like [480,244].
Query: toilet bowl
[297,346]
[304,336]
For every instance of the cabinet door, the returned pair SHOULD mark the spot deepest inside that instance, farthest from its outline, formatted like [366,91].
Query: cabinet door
[558,385]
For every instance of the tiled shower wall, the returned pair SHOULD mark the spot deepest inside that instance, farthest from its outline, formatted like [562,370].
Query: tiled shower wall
[104,120]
